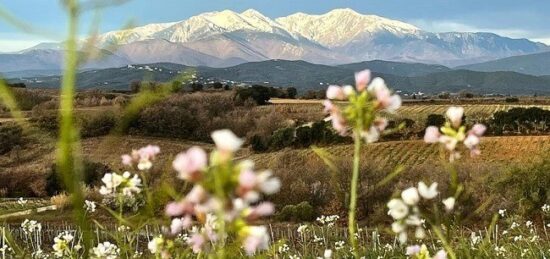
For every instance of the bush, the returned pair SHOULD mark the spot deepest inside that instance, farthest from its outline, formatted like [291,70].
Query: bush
[92,174]
[528,187]
[301,212]
[258,143]
[435,120]
[61,201]
[10,136]
[282,138]
[27,99]
[520,120]
[512,100]
[98,125]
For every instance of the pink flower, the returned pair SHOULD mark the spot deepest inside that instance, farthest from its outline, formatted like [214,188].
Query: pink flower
[127,160]
[196,242]
[386,100]
[478,129]
[441,254]
[412,250]
[362,78]
[257,239]
[179,224]
[329,106]
[174,209]
[262,210]
[251,184]
[226,140]
[335,92]
[376,129]
[455,114]
[189,164]
[432,134]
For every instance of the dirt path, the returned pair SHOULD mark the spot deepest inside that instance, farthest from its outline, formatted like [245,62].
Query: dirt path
[28,212]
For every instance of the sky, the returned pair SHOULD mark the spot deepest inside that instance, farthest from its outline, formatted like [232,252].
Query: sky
[45,20]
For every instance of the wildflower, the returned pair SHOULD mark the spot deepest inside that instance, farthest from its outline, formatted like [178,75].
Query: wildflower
[143,157]
[328,220]
[502,212]
[120,184]
[426,192]
[453,133]
[293,257]
[397,209]
[545,208]
[31,226]
[90,206]
[21,201]
[226,141]
[257,239]
[376,94]
[190,164]
[251,184]
[410,196]
[449,203]
[179,224]
[412,250]
[159,245]
[105,250]
[529,224]
[338,245]
[514,225]
[62,244]
[441,254]
[302,229]
[518,238]
[327,254]
[283,249]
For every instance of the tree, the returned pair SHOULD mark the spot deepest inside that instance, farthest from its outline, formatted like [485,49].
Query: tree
[197,87]
[217,85]
[291,92]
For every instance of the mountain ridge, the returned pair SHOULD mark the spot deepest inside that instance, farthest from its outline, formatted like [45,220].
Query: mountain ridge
[339,36]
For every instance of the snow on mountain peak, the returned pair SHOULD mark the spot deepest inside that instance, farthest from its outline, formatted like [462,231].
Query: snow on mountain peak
[341,26]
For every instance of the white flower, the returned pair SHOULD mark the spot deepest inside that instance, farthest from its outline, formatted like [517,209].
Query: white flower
[545,208]
[90,206]
[105,250]
[155,244]
[410,196]
[502,212]
[419,233]
[455,114]
[283,249]
[339,245]
[449,203]
[427,192]
[529,223]
[397,209]
[302,229]
[22,201]
[62,244]
[398,227]
[327,254]
[225,140]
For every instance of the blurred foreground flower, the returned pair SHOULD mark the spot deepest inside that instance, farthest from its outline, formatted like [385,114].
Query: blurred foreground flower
[224,199]
[453,133]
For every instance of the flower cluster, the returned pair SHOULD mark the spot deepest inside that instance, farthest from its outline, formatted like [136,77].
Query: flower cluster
[31,226]
[90,206]
[365,101]
[125,184]
[64,245]
[225,193]
[421,252]
[105,250]
[141,158]
[453,133]
[328,220]
[405,210]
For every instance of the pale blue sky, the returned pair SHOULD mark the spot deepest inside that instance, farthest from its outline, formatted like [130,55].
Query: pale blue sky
[518,19]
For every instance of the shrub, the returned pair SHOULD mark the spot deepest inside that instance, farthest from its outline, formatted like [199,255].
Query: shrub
[27,99]
[92,174]
[258,143]
[521,120]
[10,136]
[435,120]
[527,186]
[301,212]
[512,100]
[282,138]
[98,125]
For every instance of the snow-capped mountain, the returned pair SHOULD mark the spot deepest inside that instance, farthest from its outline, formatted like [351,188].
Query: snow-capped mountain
[340,36]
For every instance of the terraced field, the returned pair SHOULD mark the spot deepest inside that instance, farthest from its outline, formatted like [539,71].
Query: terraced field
[416,154]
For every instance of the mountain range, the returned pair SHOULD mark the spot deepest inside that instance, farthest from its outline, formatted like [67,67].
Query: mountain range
[403,77]
[228,38]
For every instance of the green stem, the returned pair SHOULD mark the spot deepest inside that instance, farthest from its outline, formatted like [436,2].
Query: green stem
[446,245]
[353,191]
